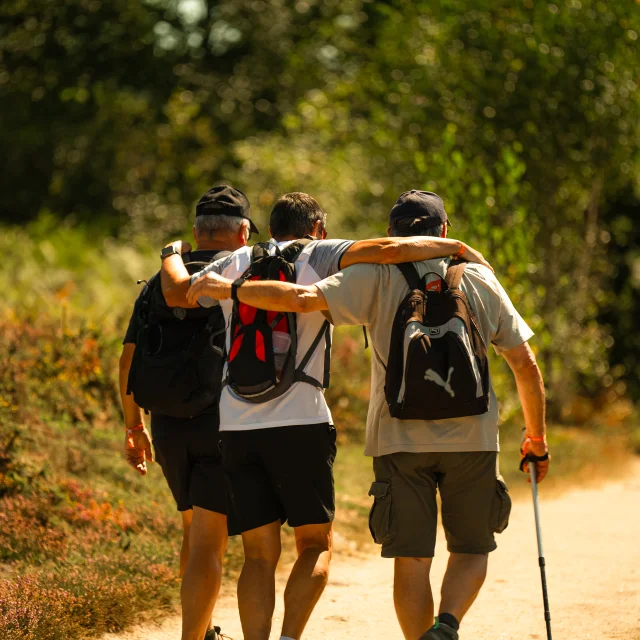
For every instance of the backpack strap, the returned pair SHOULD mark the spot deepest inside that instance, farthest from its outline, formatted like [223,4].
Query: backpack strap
[260,250]
[292,251]
[411,275]
[327,356]
[454,275]
[205,257]
[300,375]
[146,298]
[218,255]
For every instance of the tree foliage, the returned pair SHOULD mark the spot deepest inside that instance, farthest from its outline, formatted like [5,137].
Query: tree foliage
[524,117]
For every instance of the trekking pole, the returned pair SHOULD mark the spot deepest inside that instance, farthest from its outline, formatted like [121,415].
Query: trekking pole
[543,574]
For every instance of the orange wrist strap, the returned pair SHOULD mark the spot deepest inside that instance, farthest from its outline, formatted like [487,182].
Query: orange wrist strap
[138,427]
[462,250]
[539,439]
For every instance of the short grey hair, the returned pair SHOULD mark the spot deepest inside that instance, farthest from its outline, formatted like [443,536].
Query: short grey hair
[406,227]
[214,225]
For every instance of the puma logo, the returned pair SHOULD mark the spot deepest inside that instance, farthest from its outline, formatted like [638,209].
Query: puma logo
[433,376]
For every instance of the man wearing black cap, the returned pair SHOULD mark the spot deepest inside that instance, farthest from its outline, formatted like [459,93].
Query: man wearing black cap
[188,449]
[413,456]
[418,213]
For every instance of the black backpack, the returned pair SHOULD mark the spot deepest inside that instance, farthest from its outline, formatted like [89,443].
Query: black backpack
[179,357]
[264,344]
[438,365]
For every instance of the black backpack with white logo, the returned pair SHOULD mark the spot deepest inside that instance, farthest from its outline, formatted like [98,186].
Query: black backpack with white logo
[179,357]
[264,344]
[438,364]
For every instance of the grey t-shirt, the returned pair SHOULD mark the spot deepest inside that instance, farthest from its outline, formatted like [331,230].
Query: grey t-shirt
[370,295]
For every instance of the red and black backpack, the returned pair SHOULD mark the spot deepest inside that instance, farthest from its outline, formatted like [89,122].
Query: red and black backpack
[261,363]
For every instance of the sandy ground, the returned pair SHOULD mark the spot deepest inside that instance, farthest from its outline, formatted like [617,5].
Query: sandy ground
[592,547]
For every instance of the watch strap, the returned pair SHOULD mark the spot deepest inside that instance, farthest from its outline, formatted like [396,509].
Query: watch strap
[235,285]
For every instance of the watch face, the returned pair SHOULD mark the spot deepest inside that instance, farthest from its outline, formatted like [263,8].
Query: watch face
[168,251]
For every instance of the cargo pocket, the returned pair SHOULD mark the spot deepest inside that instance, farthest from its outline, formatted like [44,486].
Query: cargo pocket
[380,514]
[501,507]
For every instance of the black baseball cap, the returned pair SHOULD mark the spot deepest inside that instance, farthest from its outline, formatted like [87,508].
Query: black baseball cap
[225,200]
[419,204]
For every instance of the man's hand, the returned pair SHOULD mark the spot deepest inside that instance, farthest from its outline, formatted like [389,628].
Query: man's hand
[473,255]
[137,449]
[210,285]
[538,449]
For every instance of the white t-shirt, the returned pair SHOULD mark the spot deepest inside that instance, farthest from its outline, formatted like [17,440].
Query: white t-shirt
[303,403]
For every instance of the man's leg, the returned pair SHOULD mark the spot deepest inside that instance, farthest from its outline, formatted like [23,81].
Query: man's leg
[308,577]
[404,519]
[462,582]
[201,582]
[257,583]
[412,595]
[475,505]
[187,517]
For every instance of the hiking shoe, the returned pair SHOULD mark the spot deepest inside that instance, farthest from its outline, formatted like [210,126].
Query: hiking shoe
[215,634]
[440,631]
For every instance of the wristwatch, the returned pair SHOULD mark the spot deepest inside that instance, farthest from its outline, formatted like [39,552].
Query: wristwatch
[235,285]
[169,251]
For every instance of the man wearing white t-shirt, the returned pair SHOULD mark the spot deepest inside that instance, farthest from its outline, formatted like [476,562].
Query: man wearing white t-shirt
[278,455]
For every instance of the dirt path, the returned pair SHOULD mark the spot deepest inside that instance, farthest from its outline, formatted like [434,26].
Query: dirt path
[592,546]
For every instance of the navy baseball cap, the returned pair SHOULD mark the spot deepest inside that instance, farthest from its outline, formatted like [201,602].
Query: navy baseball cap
[225,200]
[419,204]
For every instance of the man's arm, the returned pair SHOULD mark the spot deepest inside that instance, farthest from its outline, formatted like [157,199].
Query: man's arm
[266,294]
[175,278]
[413,249]
[137,443]
[530,385]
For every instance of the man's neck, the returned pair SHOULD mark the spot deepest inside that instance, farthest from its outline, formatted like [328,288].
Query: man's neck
[287,238]
[214,245]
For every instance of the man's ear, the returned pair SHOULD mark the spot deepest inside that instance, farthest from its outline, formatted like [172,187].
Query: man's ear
[388,232]
[242,234]
[445,229]
[269,230]
[195,235]
[317,230]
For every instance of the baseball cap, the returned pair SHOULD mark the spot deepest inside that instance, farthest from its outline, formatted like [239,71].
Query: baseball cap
[419,204]
[224,200]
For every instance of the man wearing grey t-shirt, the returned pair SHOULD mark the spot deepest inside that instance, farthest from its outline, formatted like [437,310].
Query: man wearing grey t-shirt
[415,458]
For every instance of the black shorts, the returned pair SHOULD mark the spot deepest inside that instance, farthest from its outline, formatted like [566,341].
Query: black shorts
[280,473]
[189,453]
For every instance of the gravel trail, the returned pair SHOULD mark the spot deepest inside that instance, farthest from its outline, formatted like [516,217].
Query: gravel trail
[592,547]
